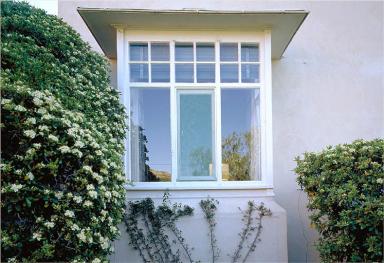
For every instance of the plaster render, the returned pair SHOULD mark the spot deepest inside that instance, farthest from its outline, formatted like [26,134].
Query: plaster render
[328,88]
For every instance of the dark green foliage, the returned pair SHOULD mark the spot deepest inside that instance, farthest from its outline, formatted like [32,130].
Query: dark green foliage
[63,128]
[345,189]
[149,227]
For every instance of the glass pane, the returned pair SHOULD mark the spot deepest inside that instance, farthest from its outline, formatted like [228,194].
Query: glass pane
[205,73]
[249,73]
[184,73]
[160,52]
[160,72]
[138,72]
[229,73]
[195,135]
[205,52]
[240,128]
[249,52]
[184,52]
[228,52]
[150,135]
[138,52]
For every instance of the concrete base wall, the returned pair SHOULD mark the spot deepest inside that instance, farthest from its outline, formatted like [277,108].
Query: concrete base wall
[273,245]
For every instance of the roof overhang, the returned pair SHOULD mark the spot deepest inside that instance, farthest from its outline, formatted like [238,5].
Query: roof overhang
[103,22]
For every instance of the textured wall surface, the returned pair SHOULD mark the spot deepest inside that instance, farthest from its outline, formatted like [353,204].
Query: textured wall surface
[327,89]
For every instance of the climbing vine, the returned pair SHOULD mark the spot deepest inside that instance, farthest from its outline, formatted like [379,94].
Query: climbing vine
[252,225]
[151,228]
[209,208]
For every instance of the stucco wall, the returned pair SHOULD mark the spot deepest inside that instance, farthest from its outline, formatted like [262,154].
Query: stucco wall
[327,89]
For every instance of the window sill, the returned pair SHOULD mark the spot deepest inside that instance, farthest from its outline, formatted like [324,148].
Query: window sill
[245,185]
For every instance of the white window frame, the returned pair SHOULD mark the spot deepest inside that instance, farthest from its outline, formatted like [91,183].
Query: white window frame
[263,38]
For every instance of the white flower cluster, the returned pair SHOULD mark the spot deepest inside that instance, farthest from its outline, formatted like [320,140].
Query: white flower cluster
[51,134]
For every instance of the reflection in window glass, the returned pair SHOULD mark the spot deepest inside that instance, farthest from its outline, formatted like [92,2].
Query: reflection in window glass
[228,52]
[205,52]
[195,135]
[150,135]
[184,52]
[229,73]
[240,128]
[138,72]
[138,52]
[205,73]
[160,52]
[249,52]
[160,72]
[249,73]
[184,72]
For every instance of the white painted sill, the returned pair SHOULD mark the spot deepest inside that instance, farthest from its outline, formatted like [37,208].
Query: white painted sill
[244,185]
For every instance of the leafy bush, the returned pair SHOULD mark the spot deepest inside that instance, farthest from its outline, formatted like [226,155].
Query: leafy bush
[345,189]
[62,140]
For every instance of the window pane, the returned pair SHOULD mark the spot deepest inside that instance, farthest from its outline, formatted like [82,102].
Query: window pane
[249,73]
[240,124]
[205,73]
[205,52]
[138,52]
[150,135]
[229,73]
[160,72]
[228,52]
[184,73]
[195,135]
[138,72]
[249,52]
[160,52]
[184,52]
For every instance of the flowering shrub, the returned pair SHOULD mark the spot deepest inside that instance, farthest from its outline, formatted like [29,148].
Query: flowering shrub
[62,140]
[345,189]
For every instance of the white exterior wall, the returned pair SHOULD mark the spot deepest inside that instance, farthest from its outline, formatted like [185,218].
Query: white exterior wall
[327,89]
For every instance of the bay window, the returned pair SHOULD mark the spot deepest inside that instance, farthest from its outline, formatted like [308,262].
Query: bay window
[195,112]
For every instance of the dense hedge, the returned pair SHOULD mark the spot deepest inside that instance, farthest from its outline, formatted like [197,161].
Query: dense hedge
[62,140]
[345,189]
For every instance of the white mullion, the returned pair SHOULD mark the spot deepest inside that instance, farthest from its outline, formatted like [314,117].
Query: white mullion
[122,49]
[150,85]
[194,63]
[173,113]
[239,61]
[149,63]
[217,93]
[266,92]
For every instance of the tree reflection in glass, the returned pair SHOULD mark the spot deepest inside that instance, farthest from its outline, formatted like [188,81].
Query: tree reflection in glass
[240,134]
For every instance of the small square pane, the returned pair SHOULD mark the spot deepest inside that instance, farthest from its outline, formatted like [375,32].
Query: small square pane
[205,73]
[160,72]
[229,73]
[205,52]
[138,52]
[249,52]
[138,72]
[228,52]
[184,52]
[160,52]
[250,73]
[184,72]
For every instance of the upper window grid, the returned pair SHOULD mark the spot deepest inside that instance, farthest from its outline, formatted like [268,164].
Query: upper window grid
[245,62]
[149,62]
